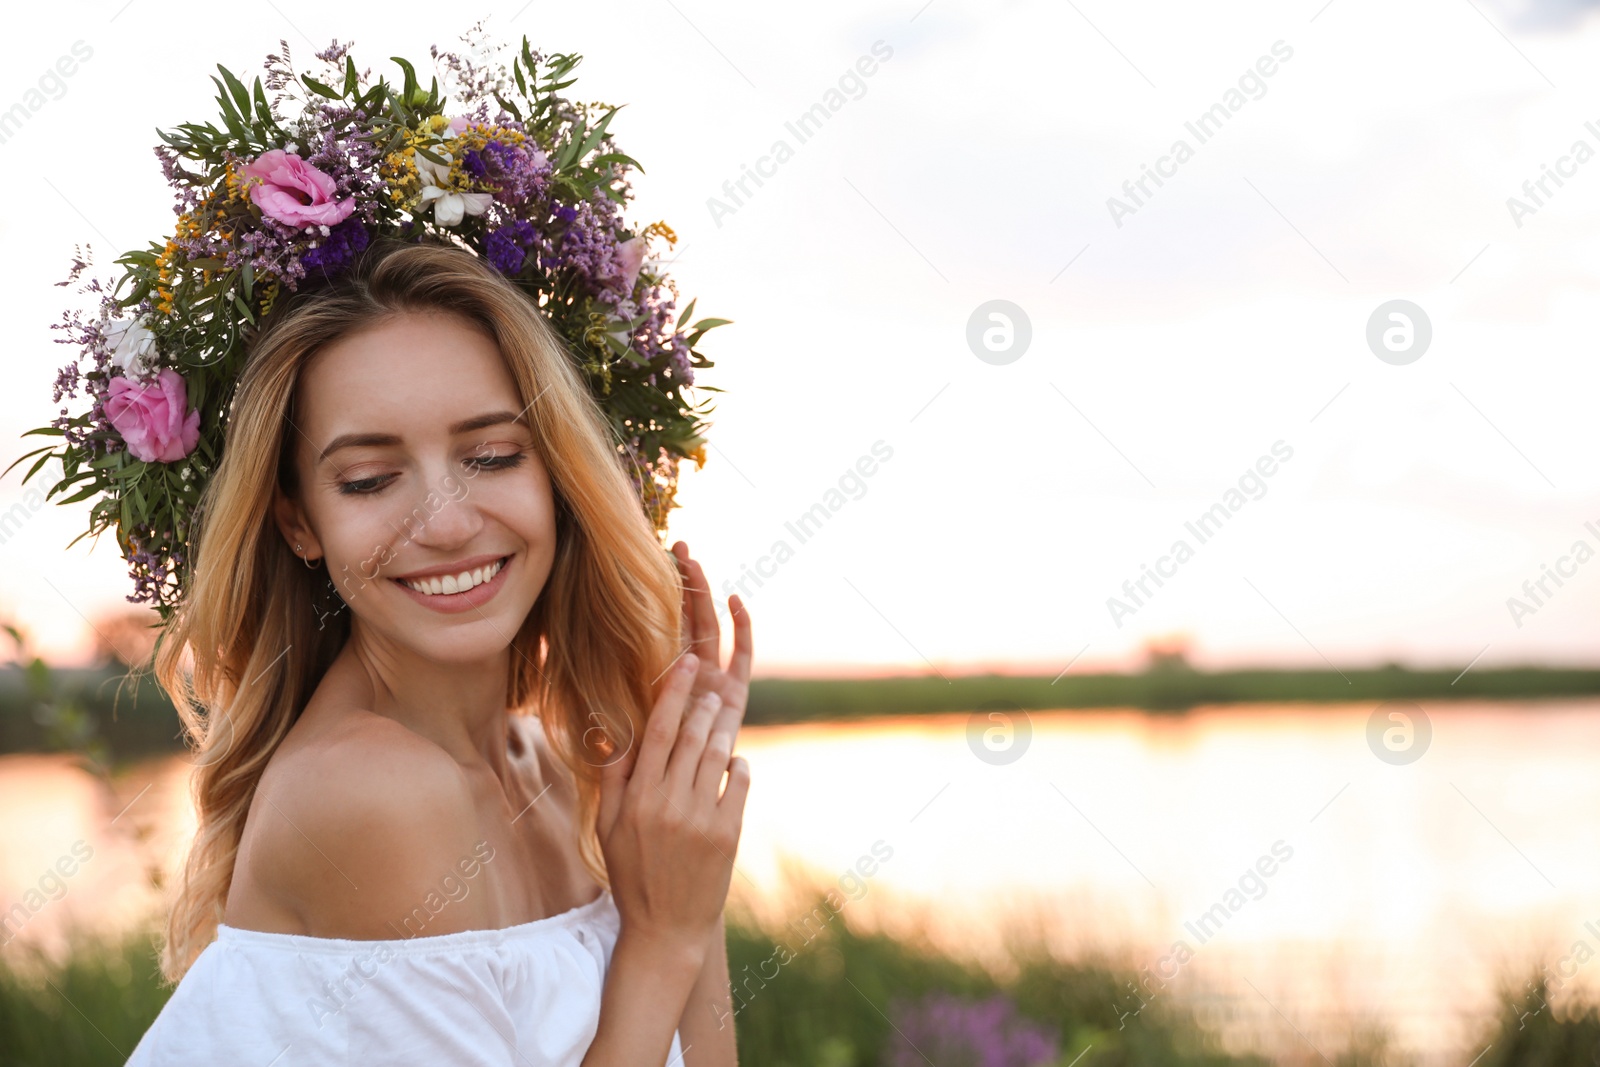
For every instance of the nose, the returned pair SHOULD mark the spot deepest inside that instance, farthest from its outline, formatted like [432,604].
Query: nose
[444,520]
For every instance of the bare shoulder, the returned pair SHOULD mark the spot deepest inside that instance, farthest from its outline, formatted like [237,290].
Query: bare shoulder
[351,831]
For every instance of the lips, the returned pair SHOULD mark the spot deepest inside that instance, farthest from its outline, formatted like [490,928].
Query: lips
[459,581]
[454,603]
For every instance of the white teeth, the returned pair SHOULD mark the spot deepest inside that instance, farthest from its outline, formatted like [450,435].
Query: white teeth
[455,583]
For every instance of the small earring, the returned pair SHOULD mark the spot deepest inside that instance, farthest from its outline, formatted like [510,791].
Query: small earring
[311,564]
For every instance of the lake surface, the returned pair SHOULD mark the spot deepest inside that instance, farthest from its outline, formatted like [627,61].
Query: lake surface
[1316,887]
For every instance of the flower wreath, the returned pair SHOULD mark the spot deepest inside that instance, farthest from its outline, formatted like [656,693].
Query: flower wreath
[523,177]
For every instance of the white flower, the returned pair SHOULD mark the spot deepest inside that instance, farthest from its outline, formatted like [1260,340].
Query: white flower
[133,347]
[449,205]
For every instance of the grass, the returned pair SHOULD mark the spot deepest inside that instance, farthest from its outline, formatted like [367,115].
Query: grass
[88,1011]
[837,1000]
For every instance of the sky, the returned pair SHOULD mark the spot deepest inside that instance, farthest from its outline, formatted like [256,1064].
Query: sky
[1198,343]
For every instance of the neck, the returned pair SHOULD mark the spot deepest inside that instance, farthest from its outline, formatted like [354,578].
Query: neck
[459,705]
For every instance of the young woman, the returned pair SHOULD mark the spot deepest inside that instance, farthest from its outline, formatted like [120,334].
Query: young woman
[462,727]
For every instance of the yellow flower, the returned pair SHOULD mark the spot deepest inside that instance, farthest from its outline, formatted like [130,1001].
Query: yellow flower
[661,229]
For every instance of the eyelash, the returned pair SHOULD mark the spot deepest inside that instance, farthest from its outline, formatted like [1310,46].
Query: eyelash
[490,463]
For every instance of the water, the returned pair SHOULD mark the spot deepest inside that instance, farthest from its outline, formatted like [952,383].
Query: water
[1315,888]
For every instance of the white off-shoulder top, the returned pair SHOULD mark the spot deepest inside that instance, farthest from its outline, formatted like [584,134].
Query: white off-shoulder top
[521,996]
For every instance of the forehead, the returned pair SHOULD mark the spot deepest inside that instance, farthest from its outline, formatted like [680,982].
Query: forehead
[408,372]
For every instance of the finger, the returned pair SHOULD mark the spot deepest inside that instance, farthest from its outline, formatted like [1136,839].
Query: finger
[713,763]
[735,689]
[726,725]
[680,556]
[705,635]
[733,797]
[662,728]
[691,744]
[743,645]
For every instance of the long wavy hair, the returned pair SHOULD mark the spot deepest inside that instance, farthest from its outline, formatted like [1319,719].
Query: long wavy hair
[588,658]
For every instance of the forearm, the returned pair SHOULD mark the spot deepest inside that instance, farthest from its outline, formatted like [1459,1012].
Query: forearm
[707,1023]
[646,988]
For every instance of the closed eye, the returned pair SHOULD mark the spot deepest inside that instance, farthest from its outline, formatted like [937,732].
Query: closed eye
[375,485]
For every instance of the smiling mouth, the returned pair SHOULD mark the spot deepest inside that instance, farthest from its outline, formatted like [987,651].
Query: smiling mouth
[443,585]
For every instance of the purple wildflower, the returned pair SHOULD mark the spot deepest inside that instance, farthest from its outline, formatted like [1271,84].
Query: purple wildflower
[956,1031]
[339,249]
[507,246]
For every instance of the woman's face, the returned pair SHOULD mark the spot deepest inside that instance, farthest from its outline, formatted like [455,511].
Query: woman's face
[415,462]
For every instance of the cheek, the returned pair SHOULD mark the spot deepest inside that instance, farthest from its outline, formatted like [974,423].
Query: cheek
[516,501]
[359,537]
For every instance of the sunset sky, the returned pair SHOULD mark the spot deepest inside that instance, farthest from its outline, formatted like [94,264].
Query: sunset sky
[1177,336]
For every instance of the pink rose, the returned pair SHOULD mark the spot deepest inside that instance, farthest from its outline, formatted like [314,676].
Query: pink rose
[151,417]
[293,191]
[630,257]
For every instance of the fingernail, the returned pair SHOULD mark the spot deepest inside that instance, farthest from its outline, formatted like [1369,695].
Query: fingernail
[689,663]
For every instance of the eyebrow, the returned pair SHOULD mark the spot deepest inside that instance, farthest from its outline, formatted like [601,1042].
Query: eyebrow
[477,422]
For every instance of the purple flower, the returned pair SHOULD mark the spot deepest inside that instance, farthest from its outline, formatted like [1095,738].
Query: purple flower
[339,249]
[953,1030]
[507,246]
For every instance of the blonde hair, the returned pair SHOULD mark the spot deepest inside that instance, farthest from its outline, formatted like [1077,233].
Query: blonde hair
[588,655]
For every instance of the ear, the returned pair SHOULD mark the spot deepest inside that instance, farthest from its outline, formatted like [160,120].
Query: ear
[291,520]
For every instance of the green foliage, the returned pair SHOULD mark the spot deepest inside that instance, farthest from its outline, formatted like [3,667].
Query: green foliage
[87,1012]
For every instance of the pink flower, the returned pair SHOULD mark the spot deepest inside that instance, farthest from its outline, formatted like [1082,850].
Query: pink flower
[151,417]
[629,258]
[459,124]
[293,191]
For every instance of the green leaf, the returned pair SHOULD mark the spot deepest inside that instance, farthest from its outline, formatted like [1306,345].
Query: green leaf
[616,157]
[350,85]
[243,308]
[426,153]
[400,109]
[263,112]
[710,324]
[241,96]
[687,313]
[319,88]
[19,459]
[45,431]
[509,106]
[411,78]
[235,127]
[83,494]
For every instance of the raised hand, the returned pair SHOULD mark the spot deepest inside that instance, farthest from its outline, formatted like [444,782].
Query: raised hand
[704,639]
[668,837]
